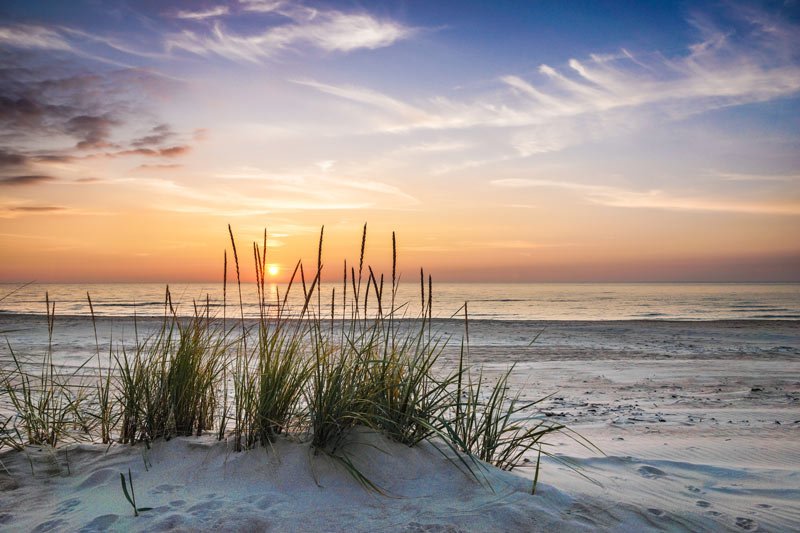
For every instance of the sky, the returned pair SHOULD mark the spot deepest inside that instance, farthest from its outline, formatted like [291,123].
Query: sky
[502,141]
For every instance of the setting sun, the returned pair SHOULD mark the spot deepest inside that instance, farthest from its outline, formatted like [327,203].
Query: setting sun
[273,270]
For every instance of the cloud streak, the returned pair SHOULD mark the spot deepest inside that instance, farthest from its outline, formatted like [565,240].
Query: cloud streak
[171,151]
[24,181]
[327,31]
[602,95]
[654,198]
[35,37]
[202,15]
[319,185]
[37,209]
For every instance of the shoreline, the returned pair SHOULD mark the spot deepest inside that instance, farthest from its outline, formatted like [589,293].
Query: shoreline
[455,319]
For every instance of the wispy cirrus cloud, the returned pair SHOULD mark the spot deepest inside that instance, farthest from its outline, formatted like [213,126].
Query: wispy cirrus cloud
[175,197]
[434,147]
[410,114]
[742,177]
[655,198]
[325,30]
[31,36]
[213,12]
[603,95]
[309,183]
[259,192]
[262,6]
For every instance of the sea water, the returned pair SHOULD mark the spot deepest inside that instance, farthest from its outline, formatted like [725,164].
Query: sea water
[488,301]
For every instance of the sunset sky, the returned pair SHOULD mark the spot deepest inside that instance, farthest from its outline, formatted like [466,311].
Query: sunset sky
[502,141]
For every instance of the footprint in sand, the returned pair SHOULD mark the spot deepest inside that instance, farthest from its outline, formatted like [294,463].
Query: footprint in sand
[764,505]
[651,472]
[67,506]
[50,525]
[98,478]
[204,507]
[101,523]
[702,503]
[164,489]
[692,488]
[746,523]
[656,512]
[169,522]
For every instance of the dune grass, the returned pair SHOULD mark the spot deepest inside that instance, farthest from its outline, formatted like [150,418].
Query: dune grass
[49,405]
[314,374]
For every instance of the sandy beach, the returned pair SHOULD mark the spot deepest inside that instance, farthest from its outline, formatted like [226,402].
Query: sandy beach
[697,423]
[698,420]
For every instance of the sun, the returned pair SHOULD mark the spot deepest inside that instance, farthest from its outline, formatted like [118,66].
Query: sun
[273,269]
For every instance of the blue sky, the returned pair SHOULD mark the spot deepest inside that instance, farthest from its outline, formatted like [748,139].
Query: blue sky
[502,140]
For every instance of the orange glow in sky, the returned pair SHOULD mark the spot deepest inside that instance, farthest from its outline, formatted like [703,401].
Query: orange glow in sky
[533,142]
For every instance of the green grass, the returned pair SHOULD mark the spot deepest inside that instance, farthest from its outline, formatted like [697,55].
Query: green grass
[48,404]
[319,374]
[492,427]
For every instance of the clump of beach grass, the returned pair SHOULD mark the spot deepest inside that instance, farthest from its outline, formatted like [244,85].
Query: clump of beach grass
[291,372]
[48,404]
[269,376]
[486,424]
[167,386]
[339,389]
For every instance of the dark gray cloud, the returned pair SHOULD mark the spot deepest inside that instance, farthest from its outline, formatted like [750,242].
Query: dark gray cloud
[11,159]
[93,131]
[53,158]
[34,106]
[21,181]
[41,98]
[20,114]
[158,136]
[48,101]
[19,110]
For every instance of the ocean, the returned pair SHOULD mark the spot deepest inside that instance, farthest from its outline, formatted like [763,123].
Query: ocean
[487,301]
